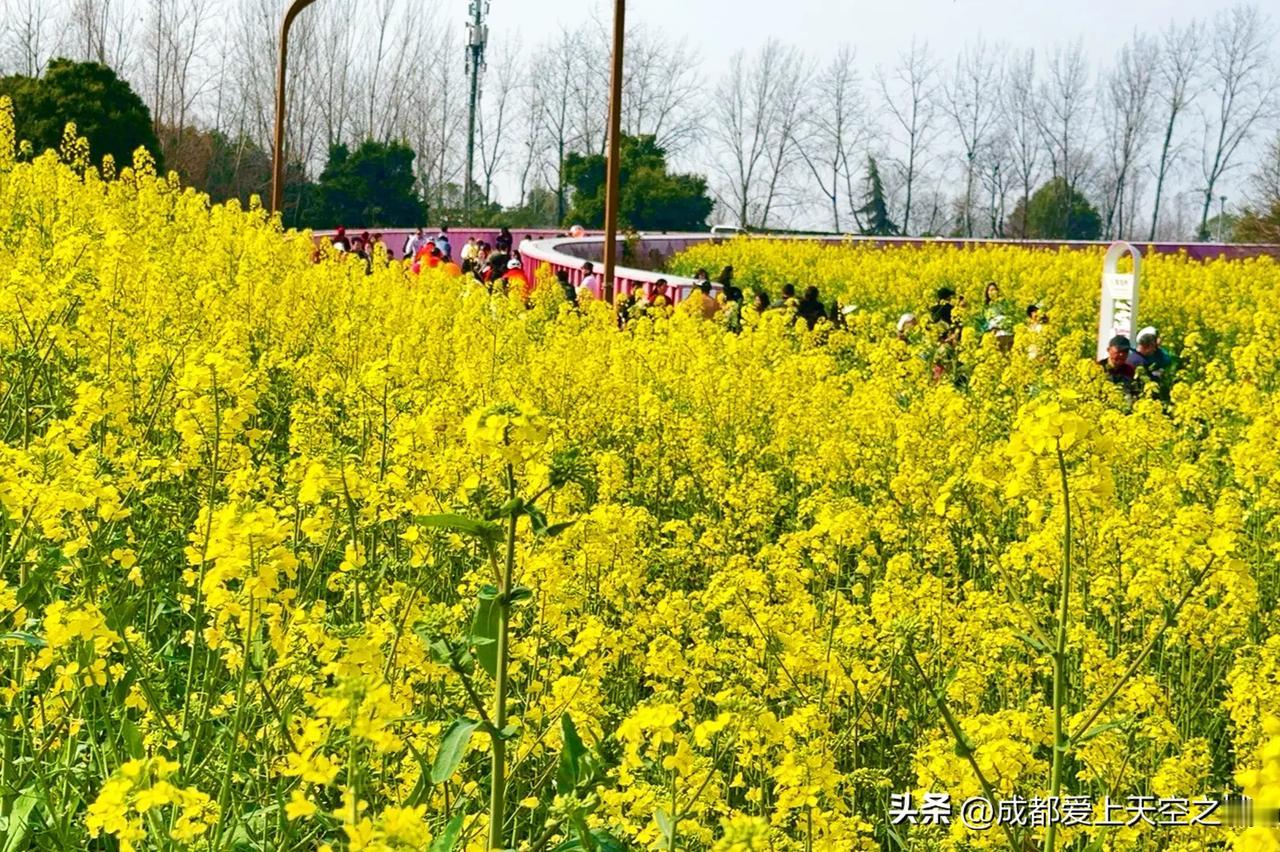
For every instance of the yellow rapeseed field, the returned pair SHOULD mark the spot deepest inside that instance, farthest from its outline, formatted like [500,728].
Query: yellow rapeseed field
[297,558]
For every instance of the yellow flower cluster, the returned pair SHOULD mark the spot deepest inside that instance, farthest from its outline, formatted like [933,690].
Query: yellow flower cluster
[130,798]
[1261,782]
[798,562]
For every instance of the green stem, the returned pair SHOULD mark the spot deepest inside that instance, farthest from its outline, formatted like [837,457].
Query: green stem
[963,744]
[675,816]
[1142,655]
[498,788]
[1060,656]
[233,750]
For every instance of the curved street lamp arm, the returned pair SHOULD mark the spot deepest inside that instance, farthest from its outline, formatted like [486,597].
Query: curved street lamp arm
[277,156]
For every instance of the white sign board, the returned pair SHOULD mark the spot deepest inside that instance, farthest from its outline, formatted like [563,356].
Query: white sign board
[1118,313]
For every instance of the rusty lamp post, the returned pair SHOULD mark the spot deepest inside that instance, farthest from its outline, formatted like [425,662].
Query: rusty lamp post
[277,158]
[615,148]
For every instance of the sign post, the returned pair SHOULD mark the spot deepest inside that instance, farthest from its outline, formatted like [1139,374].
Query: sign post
[1118,313]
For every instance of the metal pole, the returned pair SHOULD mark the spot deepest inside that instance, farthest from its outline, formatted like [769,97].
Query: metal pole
[277,157]
[476,38]
[615,148]
[1222,216]
[471,139]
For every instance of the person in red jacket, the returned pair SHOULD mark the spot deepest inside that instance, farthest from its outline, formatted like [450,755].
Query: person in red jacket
[1116,365]
[515,277]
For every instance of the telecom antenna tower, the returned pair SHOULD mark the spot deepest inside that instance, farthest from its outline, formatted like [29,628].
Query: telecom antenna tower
[477,38]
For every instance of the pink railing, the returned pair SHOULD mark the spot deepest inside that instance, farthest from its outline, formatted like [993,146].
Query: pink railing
[569,254]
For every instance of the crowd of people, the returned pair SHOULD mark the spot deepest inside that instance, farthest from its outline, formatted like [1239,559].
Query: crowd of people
[493,263]
[500,267]
[1131,368]
[704,301]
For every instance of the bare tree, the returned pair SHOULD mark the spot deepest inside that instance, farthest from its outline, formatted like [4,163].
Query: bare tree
[589,87]
[791,86]
[1241,85]
[997,180]
[660,86]
[391,46]
[1174,90]
[1021,118]
[421,124]
[497,106]
[1064,117]
[100,31]
[173,71]
[755,119]
[553,76]
[447,84]
[1265,182]
[30,42]
[740,133]
[834,131]
[971,102]
[406,55]
[331,81]
[252,86]
[1127,97]
[910,99]
[529,117]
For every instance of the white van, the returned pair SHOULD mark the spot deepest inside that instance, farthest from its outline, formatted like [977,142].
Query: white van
[726,230]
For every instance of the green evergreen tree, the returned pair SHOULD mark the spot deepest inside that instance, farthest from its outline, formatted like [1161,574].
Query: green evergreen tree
[106,111]
[1056,212]
[650,197]
[875,212]
[371,187]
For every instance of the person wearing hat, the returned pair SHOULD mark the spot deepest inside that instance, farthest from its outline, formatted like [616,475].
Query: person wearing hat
[1116,364]
[515,278]
[906,324]
[1150,355]
[1153,361]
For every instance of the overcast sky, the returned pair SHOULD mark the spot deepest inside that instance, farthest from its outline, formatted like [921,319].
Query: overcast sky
[878,30]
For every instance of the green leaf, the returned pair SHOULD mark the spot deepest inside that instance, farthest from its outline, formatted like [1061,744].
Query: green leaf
[442,652]
[15,834]
[589,840]
[537,520]
[1096,730]
[1099,842]
[555,529]
[421,790]
[513,507]
[132,739]
[250,828]
[485,626]
[1033,642]
[520,594]
[664,823]
[29,639]
[447,839]
[606,842]
[569,772]
[484,530]
[453,746]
